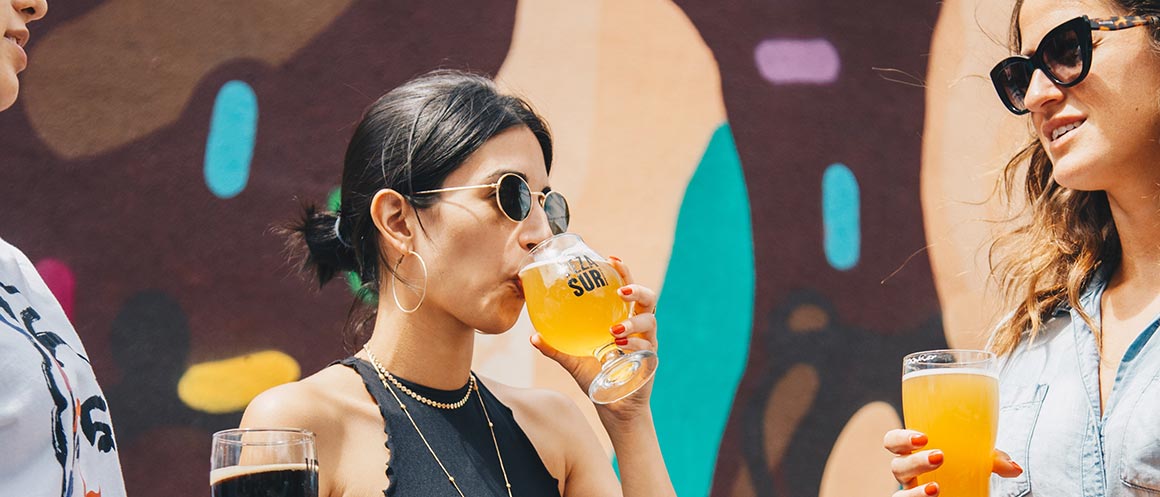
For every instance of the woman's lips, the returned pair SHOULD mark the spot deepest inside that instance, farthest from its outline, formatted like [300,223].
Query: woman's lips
[22,56]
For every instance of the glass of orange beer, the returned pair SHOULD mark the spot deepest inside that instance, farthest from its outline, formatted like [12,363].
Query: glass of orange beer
[952,396]
[572,298]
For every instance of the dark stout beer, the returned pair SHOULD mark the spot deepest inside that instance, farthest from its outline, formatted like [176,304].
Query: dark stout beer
[274,480]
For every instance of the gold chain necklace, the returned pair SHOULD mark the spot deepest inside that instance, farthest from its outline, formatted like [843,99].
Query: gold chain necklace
[416,395]
[384,375]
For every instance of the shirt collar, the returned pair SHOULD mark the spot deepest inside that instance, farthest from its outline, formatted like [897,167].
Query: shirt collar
[1091,293]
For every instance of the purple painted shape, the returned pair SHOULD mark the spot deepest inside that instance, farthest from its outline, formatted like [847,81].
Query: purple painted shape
[59,278]
[785,61]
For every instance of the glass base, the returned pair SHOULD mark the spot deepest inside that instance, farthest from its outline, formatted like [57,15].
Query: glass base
[621,376]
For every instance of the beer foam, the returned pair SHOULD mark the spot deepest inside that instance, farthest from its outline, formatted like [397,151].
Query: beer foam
[940,371]
[220,474]
[537,265]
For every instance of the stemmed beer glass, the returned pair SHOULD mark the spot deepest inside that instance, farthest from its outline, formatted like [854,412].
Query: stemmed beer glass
[572,298]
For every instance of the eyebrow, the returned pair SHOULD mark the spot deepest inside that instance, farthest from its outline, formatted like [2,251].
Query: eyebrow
[495,176]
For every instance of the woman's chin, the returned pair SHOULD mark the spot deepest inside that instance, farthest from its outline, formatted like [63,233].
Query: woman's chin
[8,91]
[500,323]
[495,330]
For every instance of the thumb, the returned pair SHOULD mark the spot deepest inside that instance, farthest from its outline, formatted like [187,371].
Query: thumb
[570,363]
[1002,465]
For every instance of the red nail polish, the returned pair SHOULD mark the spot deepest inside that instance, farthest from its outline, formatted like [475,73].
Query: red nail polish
[931,489]
[626,291]
[935,457]
[614,258]
[617,329]
[1017,466]
[621,342]
[918,440]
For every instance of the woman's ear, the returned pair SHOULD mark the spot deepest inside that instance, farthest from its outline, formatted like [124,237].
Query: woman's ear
[391,212]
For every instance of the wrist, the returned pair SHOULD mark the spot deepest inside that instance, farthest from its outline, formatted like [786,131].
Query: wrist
[625,420]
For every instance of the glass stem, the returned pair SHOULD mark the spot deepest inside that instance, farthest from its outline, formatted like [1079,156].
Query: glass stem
[608,352]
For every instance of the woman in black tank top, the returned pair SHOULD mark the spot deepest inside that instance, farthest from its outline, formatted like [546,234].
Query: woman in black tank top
[444,191]
[478,469]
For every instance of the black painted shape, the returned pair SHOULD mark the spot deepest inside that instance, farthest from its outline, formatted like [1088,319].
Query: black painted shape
[855,367]
[150,341]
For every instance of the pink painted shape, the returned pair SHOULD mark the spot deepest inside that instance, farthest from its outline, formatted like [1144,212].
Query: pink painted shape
[59,278]
[785,61]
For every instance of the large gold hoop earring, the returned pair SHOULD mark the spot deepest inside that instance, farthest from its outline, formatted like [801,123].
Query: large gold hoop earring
[395,280]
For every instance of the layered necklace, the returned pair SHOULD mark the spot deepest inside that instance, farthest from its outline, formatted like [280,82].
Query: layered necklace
[388,380]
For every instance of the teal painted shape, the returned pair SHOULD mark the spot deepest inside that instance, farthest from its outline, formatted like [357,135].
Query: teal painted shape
[229,149]
[706,316]
[841,217]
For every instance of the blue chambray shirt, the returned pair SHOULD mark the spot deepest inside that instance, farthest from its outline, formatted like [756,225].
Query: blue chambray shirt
[1049,412]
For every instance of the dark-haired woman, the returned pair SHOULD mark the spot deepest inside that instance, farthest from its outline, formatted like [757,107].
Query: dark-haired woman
[1080,365]
[444,190]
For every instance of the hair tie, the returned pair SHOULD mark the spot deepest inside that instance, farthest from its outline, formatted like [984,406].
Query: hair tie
[337,232]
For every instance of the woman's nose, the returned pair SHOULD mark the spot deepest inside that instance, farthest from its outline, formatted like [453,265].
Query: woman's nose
[1041,91]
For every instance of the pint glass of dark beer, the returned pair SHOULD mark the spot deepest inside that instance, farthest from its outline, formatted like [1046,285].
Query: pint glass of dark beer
[266,462]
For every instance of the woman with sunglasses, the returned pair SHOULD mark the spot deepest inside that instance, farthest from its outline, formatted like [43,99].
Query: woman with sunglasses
[444,191]
[1079,373]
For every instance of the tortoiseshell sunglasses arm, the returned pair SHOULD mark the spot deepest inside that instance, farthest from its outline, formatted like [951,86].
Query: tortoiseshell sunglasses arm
[1122,22]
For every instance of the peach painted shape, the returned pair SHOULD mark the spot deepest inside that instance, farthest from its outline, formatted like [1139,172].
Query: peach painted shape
[858,465]
[145,76]
[968,138]
[596,71]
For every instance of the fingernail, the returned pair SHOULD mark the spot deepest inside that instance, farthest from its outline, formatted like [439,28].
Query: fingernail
[935,457]
[1017,466]
[918,440]
[930,489]
[617,329]
[625,291]
[614,258]
[620,342]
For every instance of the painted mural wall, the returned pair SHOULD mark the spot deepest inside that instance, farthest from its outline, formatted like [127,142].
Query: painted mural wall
[807,182]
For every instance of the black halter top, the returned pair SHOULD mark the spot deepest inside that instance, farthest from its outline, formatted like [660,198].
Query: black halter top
[460,438]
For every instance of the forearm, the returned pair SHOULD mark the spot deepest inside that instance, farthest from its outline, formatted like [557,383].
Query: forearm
[638,454]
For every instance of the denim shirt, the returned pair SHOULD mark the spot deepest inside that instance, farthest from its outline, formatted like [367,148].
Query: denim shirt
[1049,412]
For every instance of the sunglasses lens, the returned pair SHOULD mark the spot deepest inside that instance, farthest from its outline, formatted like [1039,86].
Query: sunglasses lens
[1012,78]
[556,207]
[514,197]
[1062,54]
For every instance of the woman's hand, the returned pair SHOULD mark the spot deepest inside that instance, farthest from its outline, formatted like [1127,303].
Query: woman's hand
[910,462]
[635,333]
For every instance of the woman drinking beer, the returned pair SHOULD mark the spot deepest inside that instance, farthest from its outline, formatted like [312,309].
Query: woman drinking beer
[1078,400]
[444,192]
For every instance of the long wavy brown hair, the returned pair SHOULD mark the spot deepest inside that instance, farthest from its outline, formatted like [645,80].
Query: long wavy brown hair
[1067,235]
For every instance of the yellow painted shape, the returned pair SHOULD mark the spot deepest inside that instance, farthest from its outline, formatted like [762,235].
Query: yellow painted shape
[127,68]
[858,465]
[229,385]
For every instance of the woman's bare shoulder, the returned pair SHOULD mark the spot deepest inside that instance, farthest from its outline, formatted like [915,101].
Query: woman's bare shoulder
[312,402]
[539,405]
